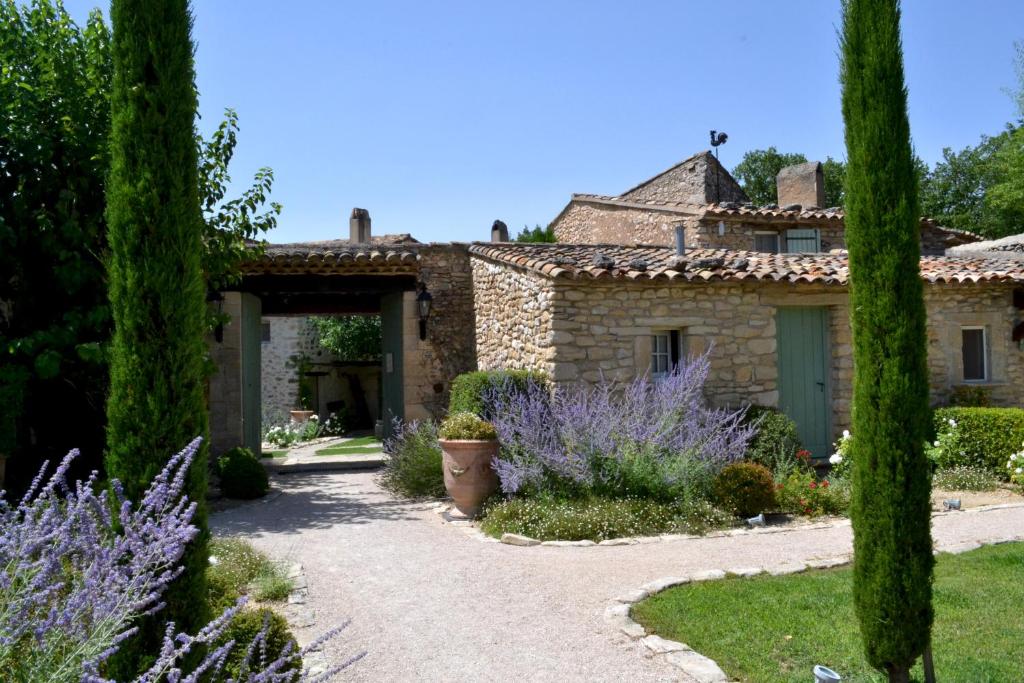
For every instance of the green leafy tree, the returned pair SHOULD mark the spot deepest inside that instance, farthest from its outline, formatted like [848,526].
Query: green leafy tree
[890,507]
[961,191]
[350,337]
[55,321]
[537,234]
[757,170]
[157,292]
[54,316]
[834,173]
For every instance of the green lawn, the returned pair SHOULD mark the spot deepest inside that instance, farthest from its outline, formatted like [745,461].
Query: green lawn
[363,445]
[775,629]
[274,454]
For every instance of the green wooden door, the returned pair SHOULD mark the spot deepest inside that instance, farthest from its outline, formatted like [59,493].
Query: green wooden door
[391,389]
[804,392]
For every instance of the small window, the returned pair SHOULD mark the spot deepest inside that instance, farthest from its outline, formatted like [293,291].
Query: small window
[264,332]
[767,242]
[975,357]
[803,241]
[664,353]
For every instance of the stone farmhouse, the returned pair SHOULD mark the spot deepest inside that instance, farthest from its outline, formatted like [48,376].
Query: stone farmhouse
[762,289]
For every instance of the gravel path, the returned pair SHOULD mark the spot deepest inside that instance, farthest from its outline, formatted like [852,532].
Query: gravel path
[429,603]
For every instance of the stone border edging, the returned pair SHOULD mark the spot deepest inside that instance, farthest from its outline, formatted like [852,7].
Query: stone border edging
[300,616]
[703,669]
[445,509]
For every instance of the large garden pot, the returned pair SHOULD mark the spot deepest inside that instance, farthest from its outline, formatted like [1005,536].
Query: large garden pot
[468,475]
[301,416]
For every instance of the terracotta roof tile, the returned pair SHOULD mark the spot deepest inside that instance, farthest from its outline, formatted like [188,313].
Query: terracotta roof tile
[576,262]
[336,256]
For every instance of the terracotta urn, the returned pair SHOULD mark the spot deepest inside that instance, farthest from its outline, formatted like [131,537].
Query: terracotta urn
[301,416]
[468,475]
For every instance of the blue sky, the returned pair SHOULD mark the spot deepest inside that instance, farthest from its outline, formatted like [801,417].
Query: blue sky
[439,117]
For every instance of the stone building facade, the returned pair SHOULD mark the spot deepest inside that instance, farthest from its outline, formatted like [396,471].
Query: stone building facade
[685,195]
[599,322]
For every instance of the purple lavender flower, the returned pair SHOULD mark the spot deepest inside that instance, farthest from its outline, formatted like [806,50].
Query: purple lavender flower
[598,437]
[73,578]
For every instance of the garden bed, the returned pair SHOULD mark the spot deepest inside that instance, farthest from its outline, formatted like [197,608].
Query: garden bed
[776,628]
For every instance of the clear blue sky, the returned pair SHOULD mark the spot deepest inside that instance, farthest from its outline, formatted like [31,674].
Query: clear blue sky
[439,117]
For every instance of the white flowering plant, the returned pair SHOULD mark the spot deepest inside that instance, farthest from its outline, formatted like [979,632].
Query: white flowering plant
[1015,466]
[948,448]
[840,458]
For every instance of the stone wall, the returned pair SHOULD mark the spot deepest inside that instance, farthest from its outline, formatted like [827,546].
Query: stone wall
[603,330]
[597,223]
[698,180]
[739,235]
[449,349]
[292,337]
[514,327]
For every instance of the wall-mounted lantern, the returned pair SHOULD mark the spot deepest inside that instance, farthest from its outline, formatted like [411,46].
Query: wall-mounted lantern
[423,303]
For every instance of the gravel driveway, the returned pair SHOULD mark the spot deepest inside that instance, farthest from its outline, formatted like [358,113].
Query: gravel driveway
[429,603]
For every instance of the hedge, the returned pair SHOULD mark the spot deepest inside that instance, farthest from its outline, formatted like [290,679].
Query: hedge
[470,389]
[985,436]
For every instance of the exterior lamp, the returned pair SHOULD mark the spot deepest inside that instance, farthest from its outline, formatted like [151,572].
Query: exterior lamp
[423,302]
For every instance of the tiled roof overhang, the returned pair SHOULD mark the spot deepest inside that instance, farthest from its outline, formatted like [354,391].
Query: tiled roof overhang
[336,257]
[649,263]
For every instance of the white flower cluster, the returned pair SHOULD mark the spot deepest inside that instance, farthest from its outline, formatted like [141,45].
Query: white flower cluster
[840,446]
[1016,466]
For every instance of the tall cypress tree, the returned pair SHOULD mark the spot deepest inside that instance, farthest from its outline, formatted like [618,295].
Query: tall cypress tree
[157,293]
[893,561]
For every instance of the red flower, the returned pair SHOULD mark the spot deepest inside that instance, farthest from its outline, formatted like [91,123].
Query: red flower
[814,485]
[803,455]
[824,484]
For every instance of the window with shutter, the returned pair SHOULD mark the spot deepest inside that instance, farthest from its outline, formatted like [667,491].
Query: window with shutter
[803,241]
[974,354]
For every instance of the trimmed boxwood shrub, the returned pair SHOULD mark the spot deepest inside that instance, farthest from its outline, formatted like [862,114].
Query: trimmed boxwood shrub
[469,390]
[745,488]
[984,437]
[242,475]
[776,442]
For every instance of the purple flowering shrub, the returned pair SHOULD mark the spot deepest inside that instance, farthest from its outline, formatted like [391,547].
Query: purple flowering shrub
[649,438]
[78,567]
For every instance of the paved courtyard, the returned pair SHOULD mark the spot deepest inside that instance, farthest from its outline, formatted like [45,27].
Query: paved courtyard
[430,603]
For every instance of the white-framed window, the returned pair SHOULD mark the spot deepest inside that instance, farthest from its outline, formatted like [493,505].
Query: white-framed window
[665,352]
[803,241]
[974,347]
[766,241]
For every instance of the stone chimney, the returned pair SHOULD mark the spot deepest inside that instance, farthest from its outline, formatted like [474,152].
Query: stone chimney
[359,227]
[802,184]
[499,232]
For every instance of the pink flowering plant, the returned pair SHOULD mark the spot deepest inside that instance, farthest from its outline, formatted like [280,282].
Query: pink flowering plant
[78,567]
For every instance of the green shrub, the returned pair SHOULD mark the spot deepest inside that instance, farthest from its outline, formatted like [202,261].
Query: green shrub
[551,518]
[243,630]
[802,494]
[965,478]
[776,442]
[643,471]
[745,488]
[470,389]
[242,475]
[237,568]
[981,437]
[970,396]
[466,427]
[413,467]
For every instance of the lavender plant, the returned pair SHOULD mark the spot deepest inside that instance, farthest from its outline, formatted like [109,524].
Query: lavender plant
[653,438]
[78,567]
